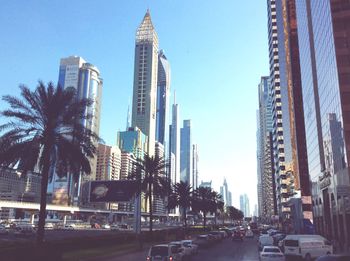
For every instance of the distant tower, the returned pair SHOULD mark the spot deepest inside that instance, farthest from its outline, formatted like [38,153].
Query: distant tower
[175,143]
[186,153]
[145,80]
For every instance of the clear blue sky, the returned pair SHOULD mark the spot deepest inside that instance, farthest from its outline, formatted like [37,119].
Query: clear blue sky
[217,51]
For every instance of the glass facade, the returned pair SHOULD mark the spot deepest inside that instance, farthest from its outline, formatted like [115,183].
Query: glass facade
[322,24]
[186,152]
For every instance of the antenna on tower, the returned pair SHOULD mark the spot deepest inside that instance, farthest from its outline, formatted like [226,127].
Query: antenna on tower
[128,117]
[174,96]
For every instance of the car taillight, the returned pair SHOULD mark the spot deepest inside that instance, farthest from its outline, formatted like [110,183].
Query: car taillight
[170,258]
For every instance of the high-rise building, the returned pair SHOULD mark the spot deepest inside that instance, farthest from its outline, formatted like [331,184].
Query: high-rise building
[275,56]
[265,155]
[174,134]
[108,162]
[324,62]
[133,145]
[163,95]
[145,80]
[186,153]
[133,141]
[229,200]
[205,184]
[244,205]
[84,77]
[293,181]
[195,171]
[226,194]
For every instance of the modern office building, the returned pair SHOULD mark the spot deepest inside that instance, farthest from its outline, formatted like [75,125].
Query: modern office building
[174,138]
[133,145]
[84,77]
[14,186]
[108,162]
[226,194]
[186,153]
[133,141]
[325,65]
[244,205]
[195,170]
[229,200]
[265,154]
[295,164]
[205,184]
[278,121]
[145,81]
[163,96]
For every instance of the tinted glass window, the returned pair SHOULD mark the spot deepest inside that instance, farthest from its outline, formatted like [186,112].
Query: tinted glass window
[159,251]
[271,250]
[291,243]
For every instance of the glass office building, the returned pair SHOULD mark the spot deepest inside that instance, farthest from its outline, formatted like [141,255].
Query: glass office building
[325,74]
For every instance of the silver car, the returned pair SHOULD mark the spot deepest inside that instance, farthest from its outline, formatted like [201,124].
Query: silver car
[164,252]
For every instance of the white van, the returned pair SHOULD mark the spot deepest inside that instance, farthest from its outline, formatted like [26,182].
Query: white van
[306,246]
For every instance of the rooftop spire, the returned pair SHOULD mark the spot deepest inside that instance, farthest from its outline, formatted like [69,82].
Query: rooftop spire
[146,31]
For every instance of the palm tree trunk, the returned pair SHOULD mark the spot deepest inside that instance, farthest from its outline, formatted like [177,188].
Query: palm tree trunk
[42,212]
[150,209]
[185,217]
[205,219]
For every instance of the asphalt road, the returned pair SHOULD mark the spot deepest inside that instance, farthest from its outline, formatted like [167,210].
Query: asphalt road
[227,250]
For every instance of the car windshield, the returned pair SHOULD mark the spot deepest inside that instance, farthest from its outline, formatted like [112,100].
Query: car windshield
[159,251]
[271,250]
[187,244]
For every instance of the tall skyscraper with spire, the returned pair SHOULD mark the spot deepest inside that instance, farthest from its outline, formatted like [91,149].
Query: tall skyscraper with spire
[145,80]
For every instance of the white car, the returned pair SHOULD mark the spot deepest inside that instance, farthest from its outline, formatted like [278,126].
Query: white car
[264,240]
[3,230]
[191,245]
[249,233]
[185,251]
[70,226]
[164,252]
[49,226]
[271,253]
[106,226]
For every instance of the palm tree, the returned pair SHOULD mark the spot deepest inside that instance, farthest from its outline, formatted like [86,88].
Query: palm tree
[150,171]
[182,196]
[45,133]
[202,201]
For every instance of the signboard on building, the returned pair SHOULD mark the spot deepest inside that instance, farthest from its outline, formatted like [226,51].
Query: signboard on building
[112,190]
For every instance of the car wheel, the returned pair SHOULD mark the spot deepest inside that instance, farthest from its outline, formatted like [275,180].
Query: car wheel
[308,257]
[328,253]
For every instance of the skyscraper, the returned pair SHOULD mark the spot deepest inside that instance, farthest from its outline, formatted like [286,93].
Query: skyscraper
[163,95]
[186,153]
[195,171]
[175,144]
[225,194]
[325,82]
[265,155]
[292,179]
[145,80]
[108,162]
[244,205]
[84,77]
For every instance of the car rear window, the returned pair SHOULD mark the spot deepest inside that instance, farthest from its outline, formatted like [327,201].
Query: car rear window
[187,244]
[159,251]
[291,243]
[271,250]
